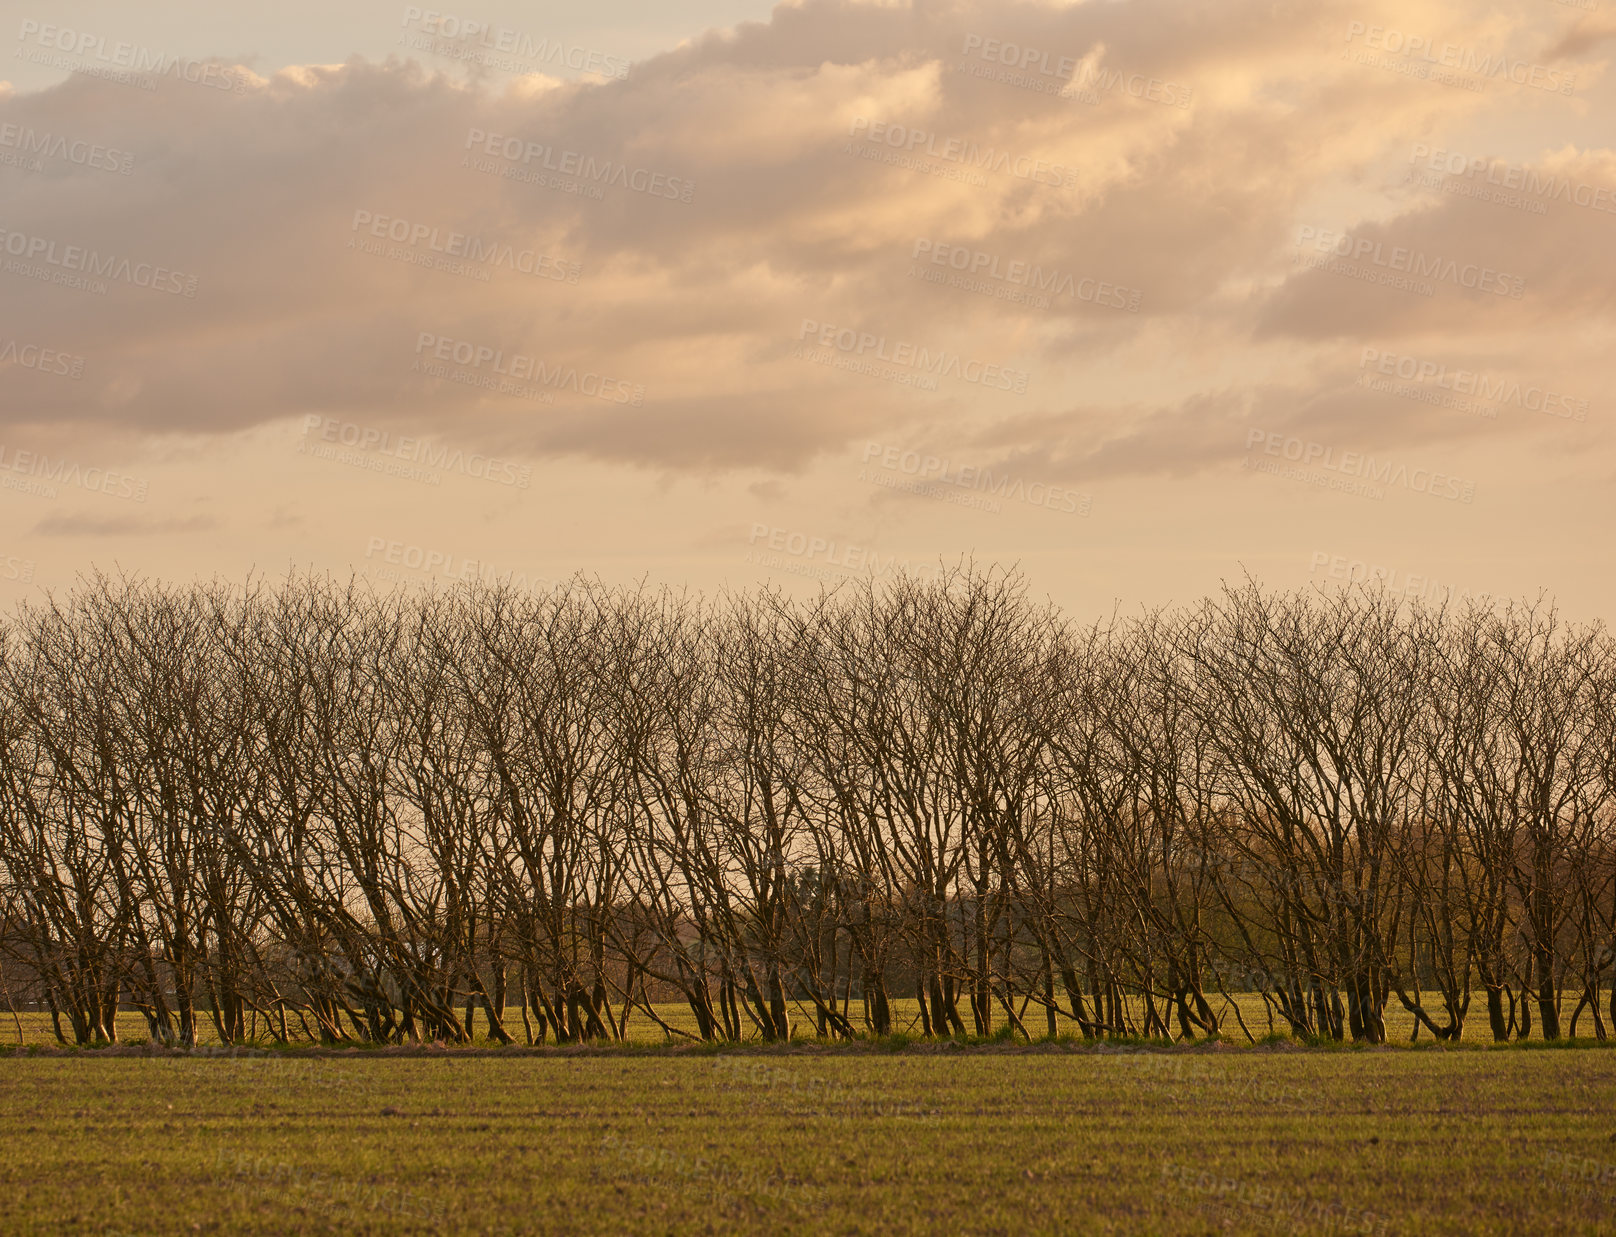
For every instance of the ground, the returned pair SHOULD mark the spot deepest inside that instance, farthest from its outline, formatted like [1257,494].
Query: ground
[937,1138]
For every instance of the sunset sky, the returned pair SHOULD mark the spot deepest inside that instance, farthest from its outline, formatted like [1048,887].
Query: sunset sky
[1139,295]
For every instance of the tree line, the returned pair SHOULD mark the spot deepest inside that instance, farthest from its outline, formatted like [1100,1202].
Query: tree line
[315,811]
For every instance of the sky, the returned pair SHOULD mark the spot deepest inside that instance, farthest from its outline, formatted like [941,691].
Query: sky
[1137,296]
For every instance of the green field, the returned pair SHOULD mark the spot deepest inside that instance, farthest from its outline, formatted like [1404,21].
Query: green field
[934,1138]
[34,1028]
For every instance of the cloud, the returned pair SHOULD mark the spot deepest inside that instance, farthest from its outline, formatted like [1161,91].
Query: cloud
[1583,37]
[329,218]
[1497,246]
[121,526]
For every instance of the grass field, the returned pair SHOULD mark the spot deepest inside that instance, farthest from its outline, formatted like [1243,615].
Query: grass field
[34,1027]
[936,1138]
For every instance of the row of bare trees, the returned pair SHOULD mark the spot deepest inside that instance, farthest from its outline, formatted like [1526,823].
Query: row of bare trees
[312,811]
